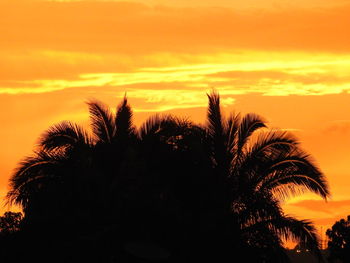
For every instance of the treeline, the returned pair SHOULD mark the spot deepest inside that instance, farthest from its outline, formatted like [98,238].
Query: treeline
[171,190]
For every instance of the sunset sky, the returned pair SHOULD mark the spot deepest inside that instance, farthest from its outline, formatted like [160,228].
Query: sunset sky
[288,61]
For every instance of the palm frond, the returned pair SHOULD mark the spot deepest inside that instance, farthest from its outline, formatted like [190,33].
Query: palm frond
[123,120]
[264,147]
[258,206]
[289,172]
[288,228]
[214,118]
[157,124]
[302,231]
[268,142]
[30,174]
[216,132]
[258,155]
[231,131]
[102,121]
[64,135]
[249,124]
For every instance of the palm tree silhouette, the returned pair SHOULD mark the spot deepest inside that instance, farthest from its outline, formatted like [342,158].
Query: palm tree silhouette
[113,175]
[256,168]
[71,161]
[199,190]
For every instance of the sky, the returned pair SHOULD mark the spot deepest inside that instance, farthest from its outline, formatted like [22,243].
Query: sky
[288,61]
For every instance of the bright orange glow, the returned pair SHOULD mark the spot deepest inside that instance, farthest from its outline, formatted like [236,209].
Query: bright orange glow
[287,62]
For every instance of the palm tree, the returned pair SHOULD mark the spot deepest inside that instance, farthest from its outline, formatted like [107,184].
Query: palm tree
[110,171]
[256,168]
[106,179]
[223,181]
[71,164]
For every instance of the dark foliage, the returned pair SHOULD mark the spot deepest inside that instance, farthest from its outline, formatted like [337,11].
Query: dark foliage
[339,241]
[170,191]
[10,223]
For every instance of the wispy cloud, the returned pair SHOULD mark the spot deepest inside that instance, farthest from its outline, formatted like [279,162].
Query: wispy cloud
[337,127]
[299,74]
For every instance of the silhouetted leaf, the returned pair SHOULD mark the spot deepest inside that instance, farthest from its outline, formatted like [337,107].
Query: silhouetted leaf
[102,121]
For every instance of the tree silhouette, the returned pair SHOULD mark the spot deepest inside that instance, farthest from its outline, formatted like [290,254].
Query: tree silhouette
[10,227]
[255,169]
[70,161]
[10,222]
[66,187]
[210,191]
[339,240]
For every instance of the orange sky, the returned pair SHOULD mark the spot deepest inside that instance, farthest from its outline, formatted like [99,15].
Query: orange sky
[289,61]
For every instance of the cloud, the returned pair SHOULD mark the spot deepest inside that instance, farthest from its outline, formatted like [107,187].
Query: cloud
[236,4]
[302,75]
[322,206]
[338,127]
[282,76]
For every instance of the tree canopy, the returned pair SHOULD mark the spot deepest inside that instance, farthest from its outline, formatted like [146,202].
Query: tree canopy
[196,191]
[10,222]
[339,240]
